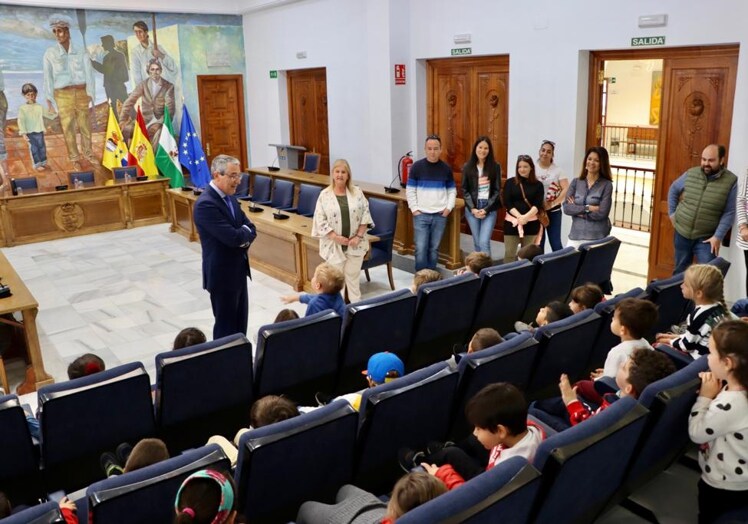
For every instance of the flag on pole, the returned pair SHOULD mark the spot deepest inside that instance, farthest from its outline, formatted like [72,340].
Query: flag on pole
[168,153]
[191,153]
[141,149]
[115,149]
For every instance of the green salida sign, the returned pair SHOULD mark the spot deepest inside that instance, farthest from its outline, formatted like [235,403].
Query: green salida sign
[639,41]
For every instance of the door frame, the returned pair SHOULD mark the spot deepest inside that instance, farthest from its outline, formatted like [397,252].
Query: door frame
[239,79]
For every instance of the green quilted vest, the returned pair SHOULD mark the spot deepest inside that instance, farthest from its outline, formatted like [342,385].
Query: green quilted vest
[703,203]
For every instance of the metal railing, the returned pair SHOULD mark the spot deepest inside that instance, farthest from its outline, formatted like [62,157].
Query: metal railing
[633,202]
[632,142]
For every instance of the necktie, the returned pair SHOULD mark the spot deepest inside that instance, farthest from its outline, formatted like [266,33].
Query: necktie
[228,203]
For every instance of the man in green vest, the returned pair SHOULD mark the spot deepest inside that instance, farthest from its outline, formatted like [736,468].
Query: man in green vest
[701,205]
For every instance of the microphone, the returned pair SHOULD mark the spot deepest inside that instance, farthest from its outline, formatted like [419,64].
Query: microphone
[389,188]
[61,186]
[254,208]
[272,166]
[278,215]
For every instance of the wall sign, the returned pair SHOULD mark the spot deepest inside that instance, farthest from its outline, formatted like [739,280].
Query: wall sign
[399,74]
[462,51]
[647,40]
[273,74]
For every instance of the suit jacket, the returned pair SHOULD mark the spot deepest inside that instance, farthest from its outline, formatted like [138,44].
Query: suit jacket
[152,107]
[224,242]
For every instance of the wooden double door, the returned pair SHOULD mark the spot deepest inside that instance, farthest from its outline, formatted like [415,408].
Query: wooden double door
[468,98]
[697,99]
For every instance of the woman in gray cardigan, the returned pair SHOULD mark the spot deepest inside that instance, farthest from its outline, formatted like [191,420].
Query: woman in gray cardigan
[589,199]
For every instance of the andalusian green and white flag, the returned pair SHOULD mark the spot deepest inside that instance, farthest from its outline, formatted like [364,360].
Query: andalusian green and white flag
[167,156]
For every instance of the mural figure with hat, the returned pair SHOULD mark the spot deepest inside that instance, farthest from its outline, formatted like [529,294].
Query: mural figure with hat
[144,52]
[154,94]
[114,68]
[69,84]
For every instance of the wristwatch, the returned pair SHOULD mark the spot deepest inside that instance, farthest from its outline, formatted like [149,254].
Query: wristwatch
[587,209]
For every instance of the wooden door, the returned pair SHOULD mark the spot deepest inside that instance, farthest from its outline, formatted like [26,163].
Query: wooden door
[697,99]
[222,116]
[467,98]
[307,112]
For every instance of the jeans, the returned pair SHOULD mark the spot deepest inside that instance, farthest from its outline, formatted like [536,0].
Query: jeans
[553,231]
[38,148]
[428,230]
[686,250]
[481,228]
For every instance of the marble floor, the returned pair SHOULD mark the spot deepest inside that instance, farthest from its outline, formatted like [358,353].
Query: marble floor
[124,295]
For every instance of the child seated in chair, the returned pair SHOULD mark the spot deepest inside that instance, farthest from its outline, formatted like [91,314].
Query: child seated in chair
[190,336]
[552,312]
[265,411]
[483,338]
[529,252]
[499,414]
[475,262]
[642,367]
[424,276]
[586,296]
[147,451]
[327,282]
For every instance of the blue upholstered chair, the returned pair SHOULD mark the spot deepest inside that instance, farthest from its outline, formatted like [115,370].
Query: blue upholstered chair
[407,412]
[510,361]
[46,513]
[444,315]
[605,339]
[384,215]
[502,295]
[565,347]
[671,306]
[597,262]
[303,458]
[722,264]
[80,419]
[242,189]
[25,183]
[377,324]
[19,461]
[587,463]
[554,274]
[505,493]
[261,189]
[147,494]
[85,177]
[219,409]
[298,357]
[282,195]
[308,195]
[311,162]
[120,172]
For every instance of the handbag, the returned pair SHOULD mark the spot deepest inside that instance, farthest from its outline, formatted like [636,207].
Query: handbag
[542,215]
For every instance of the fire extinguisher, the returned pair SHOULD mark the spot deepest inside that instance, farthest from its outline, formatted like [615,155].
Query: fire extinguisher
[403,167]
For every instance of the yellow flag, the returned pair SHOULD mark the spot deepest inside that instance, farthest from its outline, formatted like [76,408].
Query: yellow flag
[115,149]
[141,149]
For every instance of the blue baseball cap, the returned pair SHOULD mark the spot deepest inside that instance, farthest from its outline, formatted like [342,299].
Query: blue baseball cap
[382,363]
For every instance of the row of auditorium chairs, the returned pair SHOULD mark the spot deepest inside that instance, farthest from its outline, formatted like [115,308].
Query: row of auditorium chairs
[595,464]
[85,177]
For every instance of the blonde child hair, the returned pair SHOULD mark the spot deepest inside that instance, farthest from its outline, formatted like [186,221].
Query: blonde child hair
[330,278]
[478,260]
[424,276]
[411,491]
[707,279]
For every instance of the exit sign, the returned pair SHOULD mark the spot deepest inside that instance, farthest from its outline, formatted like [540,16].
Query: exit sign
[273,74]
[460,51]
[647,40]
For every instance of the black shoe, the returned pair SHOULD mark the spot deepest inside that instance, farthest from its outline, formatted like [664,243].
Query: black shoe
[110,464]
[410,459]
[435,446]
[322,399]
[123,452]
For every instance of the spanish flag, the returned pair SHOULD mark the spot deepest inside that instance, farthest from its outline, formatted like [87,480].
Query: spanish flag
[141,149]
[115,149]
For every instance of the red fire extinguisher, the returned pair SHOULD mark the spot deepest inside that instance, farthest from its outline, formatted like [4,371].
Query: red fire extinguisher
[403,167]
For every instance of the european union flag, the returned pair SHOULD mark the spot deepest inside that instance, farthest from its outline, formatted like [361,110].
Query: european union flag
[191,153]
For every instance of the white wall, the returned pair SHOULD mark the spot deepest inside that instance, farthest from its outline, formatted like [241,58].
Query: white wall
[630,96]
[547,42]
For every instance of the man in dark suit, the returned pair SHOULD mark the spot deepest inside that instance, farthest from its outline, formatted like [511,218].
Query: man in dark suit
[225,236]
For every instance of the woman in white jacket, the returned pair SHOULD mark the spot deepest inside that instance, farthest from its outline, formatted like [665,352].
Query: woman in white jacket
[341,218]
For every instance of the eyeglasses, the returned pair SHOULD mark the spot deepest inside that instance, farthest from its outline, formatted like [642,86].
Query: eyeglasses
[232,177]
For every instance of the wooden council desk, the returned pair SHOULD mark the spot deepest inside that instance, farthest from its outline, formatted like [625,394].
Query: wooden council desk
[449,249]
[22,300]
[36,217]
[283,249]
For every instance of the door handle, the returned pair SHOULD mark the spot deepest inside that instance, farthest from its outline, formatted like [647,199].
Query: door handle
[207,148]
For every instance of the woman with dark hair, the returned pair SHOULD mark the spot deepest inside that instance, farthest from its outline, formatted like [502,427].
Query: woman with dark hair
[523,198]
[556,184]
[589,199]
[481,186]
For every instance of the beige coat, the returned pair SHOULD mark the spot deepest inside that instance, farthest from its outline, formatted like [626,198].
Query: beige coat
[327,218]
